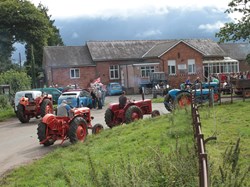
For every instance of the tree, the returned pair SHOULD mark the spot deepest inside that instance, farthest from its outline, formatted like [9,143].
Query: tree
[18,80]
[240,29]
[21,21]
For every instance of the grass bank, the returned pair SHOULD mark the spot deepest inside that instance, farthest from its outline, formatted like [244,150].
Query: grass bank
[151,152]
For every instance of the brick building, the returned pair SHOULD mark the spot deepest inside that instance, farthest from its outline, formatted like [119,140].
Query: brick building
[131,62]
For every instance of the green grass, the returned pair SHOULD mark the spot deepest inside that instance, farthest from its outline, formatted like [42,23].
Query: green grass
[159,99]
[228,123]
[149,152]
[7,113]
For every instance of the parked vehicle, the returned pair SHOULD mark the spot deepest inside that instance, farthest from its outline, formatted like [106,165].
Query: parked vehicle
[76,98]
[133,110]
[74,128]
[114,88]
[183,97]
[32,103]
[53,91]
[155,84]
[241,86]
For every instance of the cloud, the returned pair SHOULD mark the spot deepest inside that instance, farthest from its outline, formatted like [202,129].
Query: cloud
[149,33]
[211,27]
[64,9]
[75,35]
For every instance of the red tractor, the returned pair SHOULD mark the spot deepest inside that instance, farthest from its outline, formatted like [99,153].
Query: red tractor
[74,128]
[135,110]
[31,104]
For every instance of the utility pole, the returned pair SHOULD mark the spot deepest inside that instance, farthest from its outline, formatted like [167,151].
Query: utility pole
[20,60]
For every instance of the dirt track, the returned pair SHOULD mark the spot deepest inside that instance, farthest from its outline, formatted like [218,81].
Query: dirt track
[19,144]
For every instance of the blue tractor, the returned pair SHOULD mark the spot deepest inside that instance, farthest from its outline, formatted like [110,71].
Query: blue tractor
[182,97]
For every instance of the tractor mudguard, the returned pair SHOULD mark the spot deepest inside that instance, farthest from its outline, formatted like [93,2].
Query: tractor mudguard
[24,101]
[174,92]
[48,118]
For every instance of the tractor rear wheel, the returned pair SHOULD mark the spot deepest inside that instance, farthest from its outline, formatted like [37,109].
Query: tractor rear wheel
[133,113]
[21,114]
[109,115]
[183,99]
[97,128]
[46,107]
[155,113]
[78,130]
[41,132]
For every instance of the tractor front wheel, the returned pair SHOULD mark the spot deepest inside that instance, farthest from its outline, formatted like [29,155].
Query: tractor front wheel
[97,128]
[183,99]
[41,133]
[78,130]
[21,114]
[133,113]
[109,115]
[155,113]
[46,107]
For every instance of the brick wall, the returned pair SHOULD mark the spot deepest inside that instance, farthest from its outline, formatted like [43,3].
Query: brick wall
[181,53]
[61,77]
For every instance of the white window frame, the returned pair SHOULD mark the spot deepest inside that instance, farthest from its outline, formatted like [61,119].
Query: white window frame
[74,74]
[191,66]
[113,70]
[147,70]
[171,64]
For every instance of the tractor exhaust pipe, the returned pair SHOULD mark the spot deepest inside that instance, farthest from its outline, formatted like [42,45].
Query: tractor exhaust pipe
[142,93]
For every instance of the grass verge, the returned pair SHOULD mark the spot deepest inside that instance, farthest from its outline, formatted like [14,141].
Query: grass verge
[6,113]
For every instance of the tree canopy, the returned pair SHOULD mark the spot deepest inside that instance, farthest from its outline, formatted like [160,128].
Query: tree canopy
[240,29]
[21,21]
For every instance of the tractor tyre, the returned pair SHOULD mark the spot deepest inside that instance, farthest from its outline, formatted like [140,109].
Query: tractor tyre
[155,113]
[109,115]
[78,130]
[46,107]
[169,103]
[133,113]
[21,114]
[41,133]
[97,128]
[183,99]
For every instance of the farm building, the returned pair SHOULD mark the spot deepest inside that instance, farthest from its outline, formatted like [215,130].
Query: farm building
[131,61]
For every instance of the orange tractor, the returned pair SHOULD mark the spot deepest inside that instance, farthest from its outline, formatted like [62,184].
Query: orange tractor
[75,127]
[29,104]
[132,111]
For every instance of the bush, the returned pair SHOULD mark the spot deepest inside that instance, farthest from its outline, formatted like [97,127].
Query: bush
[4,102]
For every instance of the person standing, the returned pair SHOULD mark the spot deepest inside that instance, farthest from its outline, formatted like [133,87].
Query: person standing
[103,89]
[99,98]
[94,98]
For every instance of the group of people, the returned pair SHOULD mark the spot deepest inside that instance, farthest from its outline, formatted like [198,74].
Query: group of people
[98,94]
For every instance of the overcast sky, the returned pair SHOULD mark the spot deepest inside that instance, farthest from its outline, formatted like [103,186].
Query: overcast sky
[65,9]
[80,21]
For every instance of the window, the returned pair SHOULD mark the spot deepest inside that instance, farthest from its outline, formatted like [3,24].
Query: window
[74,73]
[171,67]
[146,70]
[191,66]
[114,72]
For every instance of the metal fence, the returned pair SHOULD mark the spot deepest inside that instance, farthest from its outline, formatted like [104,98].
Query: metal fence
[200,145]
